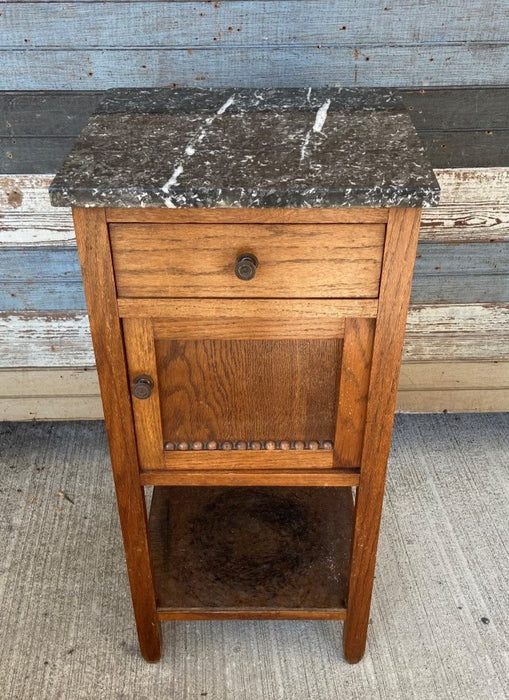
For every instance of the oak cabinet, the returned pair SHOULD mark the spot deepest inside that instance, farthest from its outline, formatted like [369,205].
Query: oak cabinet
[247,259]
[253,406]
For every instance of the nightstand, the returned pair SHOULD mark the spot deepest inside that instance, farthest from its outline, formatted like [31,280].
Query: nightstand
[247,259]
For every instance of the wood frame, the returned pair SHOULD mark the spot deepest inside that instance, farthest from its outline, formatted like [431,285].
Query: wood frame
[373,336]
[99,282]
[397,270]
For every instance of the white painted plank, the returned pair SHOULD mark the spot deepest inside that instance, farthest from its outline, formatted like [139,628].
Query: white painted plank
[56,340]
[438,333]
[73,394]
[415,377]
[457,332]
[425,376]
[90,407]
[35,382]
[474,207]
[51,408]
[468,223]
[473,185]
[454,401]
[26,215]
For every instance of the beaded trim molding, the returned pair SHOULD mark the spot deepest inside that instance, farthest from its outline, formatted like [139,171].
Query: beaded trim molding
[211,445]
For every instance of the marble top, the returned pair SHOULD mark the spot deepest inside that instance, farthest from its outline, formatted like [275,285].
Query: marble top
[187,147]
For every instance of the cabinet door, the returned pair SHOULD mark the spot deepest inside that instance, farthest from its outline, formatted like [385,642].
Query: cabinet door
[242,384]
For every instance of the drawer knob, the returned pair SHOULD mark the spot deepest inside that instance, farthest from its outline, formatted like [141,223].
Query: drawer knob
[245,267]
[142,386]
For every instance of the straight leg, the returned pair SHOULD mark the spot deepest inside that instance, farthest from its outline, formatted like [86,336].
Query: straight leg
[395,284]
[97,269]
[368,510]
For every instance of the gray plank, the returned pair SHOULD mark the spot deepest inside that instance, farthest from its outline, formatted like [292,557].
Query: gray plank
[470,149]
[453,109]
[239,23]
[39,113]
[48,278]
[460,289]
[62,113]
[318,65]
[33,155]
[467,149]
[465,273]
[463,258]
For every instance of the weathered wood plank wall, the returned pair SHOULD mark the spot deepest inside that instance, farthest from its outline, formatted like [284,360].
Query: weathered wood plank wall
[453,270]
[91,45]
[457,349]
[456,352]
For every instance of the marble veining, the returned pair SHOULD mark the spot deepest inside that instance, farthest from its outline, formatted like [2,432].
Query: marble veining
[281,147]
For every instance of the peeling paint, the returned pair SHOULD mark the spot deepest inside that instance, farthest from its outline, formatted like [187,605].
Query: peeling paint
[15,198]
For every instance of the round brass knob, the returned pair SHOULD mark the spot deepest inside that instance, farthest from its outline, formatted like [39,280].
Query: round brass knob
[143,386]
[245,266]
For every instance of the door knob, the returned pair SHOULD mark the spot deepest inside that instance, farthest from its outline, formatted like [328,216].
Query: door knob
[143,386]
[245,266]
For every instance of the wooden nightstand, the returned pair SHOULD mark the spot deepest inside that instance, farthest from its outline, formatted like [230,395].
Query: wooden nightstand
[254,347]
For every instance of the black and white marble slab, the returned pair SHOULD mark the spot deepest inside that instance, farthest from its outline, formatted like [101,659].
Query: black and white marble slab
[285,147]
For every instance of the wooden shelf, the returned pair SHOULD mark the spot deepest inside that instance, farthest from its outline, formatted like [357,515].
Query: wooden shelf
[251,552]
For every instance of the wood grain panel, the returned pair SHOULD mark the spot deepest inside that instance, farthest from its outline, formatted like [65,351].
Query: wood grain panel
[252,614]
[257,460]
[316,65]
[248,318]
[140,352]
[353,391]
[248,390]
[253,477]
[152,215]
[183,260]
[238,549]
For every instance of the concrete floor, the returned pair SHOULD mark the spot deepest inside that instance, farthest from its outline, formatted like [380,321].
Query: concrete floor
[439,624]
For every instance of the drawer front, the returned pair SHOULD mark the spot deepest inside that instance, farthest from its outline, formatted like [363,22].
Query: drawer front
[296,260]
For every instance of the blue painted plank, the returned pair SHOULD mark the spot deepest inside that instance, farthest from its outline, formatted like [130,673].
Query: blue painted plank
[48,278]
[463,259]
[466,273]
[40,279]
[244,23]
[460,289]
[398,66]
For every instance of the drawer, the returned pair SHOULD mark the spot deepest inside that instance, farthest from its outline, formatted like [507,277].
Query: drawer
[293,260]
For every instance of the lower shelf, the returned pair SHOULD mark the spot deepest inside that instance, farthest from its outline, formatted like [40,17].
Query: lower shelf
[243,552]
